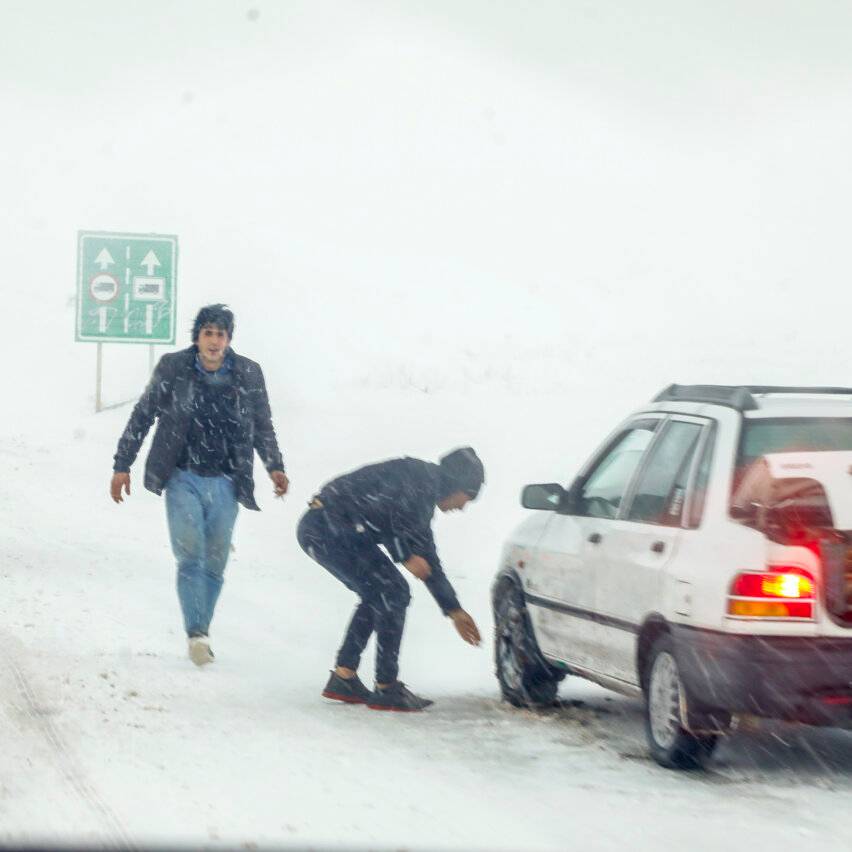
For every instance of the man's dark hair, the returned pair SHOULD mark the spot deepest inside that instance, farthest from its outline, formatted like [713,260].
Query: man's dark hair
[218,315]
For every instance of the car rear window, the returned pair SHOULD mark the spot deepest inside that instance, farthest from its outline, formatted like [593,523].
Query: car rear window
[792,435]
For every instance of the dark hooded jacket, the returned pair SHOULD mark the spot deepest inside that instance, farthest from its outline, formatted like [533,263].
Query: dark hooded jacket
[394,502]
[169,396]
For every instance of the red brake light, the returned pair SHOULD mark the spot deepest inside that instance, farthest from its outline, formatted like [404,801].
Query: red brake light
[787,586]
[781,592]
[773,585]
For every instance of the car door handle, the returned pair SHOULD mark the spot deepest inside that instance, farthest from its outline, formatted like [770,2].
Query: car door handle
[658,546]
[595,538]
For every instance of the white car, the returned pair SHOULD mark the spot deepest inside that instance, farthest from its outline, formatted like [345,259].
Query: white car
[702,558]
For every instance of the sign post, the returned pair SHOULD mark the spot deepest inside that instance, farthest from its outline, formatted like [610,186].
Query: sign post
[126,291]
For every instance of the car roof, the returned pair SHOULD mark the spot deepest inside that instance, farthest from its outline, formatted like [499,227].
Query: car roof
[800,405]
[757,401]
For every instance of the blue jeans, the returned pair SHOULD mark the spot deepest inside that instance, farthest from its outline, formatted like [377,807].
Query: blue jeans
[201,511]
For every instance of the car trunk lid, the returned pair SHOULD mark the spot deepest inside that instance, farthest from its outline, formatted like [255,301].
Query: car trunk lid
[805,498]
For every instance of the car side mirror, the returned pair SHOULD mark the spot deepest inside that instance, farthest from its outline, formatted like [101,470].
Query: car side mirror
[548,496]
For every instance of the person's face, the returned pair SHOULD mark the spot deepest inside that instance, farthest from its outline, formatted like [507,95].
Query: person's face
[212,343]
[454,502]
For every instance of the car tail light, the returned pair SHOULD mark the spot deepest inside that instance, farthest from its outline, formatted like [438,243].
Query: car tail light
[780,592]
[836,699]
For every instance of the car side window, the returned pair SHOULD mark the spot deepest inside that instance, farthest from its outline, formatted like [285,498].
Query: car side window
[702,478]
[661,490]
[605,486]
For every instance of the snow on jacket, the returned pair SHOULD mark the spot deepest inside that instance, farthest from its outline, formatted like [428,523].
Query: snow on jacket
[394,502]
[169,398]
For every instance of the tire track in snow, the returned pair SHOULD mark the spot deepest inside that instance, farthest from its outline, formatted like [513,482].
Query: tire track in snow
[117,836]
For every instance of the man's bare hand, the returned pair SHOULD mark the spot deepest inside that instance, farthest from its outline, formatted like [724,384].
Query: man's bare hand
[280,481]
[418,566]
[119,481]
[465,626]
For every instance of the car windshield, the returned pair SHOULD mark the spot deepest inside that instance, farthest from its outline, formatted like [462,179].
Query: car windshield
[793,435]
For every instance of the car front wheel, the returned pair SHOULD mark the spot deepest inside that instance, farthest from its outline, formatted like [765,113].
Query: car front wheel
[525,681]
[671,744]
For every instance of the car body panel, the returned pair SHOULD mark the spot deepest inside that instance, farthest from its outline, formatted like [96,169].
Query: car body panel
[561,590]
[628,583]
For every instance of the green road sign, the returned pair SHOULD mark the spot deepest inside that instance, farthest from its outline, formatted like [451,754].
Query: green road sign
[126,287]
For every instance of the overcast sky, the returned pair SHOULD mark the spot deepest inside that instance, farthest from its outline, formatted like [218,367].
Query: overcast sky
[400,180]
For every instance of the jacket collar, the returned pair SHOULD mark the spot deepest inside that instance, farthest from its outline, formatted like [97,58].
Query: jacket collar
[227,366]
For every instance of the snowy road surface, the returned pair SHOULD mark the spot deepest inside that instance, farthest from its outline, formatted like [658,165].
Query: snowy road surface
[109,735]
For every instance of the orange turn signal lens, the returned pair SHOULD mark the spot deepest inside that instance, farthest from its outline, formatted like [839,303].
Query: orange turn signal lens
[770,609]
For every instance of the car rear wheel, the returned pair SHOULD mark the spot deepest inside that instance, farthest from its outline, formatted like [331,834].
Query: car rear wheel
[525,681]
[671,744]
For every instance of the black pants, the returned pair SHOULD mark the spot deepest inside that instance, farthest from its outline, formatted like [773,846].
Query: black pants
[361,566]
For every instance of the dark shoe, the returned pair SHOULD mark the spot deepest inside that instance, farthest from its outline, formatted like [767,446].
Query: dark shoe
[349,690]
[399,698]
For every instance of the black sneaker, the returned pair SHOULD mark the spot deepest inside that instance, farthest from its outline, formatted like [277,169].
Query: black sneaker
[349,690]
[399,698]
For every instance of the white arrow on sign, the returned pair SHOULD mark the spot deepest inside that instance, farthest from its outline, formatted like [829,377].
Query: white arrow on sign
[104,259]
[150,261]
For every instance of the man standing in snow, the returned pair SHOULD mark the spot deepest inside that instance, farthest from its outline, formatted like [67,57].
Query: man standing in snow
[390,504]
[213,414]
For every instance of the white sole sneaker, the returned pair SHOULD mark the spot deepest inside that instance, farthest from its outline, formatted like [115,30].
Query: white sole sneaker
[199,650]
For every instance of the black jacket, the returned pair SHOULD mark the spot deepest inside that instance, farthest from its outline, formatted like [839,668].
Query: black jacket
[168,397]
[394,501]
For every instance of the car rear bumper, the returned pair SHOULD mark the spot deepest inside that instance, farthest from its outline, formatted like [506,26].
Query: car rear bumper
[804,679]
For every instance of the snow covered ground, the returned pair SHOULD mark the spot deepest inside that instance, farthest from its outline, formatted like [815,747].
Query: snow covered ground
[438,224]
[111,736]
